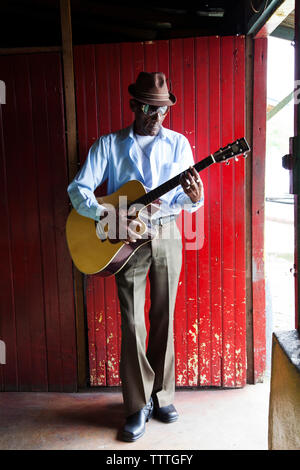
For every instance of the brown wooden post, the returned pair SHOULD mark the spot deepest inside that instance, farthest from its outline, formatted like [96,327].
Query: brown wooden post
[69,91]
[248,208]
[256,55]
[296,170]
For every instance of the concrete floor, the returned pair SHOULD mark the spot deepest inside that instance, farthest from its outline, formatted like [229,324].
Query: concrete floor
[233,419]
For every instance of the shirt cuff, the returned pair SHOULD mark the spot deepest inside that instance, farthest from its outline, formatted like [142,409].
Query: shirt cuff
[99,211]
[184,200]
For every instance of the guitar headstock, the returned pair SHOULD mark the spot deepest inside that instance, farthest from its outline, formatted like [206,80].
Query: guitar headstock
[224,154]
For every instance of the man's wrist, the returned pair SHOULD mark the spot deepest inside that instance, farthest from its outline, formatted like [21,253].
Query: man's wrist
[196,203]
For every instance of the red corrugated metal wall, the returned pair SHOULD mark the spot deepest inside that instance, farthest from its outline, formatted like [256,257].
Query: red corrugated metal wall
[207,75]
[37,321]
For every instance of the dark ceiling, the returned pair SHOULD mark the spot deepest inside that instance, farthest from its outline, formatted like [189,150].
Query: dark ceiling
[37,23]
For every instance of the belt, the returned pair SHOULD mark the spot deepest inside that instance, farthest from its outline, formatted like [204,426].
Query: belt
[164,220]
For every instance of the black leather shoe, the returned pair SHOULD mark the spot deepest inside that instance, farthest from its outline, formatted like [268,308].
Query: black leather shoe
[136,423]
[166,414]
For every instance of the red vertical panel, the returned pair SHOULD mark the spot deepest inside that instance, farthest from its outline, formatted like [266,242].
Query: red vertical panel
[91,97]
[94,374]
[214,208]
[150,54]
[228,217]
[203,149]
[127,77]
[258,197]
[104,127]
[208,324]
[30,276]
[59,288]
[59,206]
[97,112]
[100,330]
[240,269]
[41,322]
[138,59]
[112,314]
[48,242]
[190,219]
[81,55]
[8,312]
[177,124]
[163,64]
[79,71]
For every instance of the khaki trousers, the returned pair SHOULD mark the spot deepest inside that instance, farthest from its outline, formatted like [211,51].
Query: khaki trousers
[145,373]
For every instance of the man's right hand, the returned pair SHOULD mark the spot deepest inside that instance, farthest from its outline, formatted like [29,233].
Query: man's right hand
[120,224]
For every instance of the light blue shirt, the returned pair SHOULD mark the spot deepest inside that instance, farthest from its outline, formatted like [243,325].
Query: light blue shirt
[114,157]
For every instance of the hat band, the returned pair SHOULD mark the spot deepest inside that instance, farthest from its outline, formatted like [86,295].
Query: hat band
[162,96]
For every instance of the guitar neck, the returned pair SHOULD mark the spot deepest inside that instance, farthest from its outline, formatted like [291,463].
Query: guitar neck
[171,184]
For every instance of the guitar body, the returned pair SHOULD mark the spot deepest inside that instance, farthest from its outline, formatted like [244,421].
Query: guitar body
[92,255]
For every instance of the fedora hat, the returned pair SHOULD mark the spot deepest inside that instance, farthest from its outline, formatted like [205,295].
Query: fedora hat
[152,88]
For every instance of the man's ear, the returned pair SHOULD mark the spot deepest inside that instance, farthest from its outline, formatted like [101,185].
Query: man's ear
[133,105]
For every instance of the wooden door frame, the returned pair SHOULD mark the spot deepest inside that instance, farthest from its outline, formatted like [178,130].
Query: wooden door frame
[255,310]
[256,89]
[72,154]
[256,77]
[255,133]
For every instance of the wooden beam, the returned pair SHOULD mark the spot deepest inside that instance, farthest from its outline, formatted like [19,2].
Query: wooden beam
[279,106]
[91,27]
[267,19]
[28,50]
[135,15]
[69,90]
[68,69]
[277,18]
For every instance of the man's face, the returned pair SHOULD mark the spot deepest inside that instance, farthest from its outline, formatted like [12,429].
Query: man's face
[146,124]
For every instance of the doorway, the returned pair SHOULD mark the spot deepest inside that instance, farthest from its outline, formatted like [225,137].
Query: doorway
[279,203]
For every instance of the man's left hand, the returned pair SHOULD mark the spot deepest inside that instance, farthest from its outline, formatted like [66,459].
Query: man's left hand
[192,184]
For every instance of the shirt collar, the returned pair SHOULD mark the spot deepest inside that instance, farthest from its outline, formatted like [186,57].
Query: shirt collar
[128,133]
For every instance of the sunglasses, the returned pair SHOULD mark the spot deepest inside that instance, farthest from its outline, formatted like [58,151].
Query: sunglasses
[152,110]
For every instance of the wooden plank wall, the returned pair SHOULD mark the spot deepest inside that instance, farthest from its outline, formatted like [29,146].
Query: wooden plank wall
[258,206]
[208,77]
[37,307]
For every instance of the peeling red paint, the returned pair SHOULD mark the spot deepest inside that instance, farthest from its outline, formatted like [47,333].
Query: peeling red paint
[209,320]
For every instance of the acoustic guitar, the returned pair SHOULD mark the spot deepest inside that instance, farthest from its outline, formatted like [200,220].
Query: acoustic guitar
[92,255]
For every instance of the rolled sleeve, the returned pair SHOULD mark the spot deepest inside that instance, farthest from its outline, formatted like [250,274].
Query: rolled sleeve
[90,176]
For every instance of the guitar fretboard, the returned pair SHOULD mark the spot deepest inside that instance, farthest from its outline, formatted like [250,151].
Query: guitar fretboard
[170,184]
